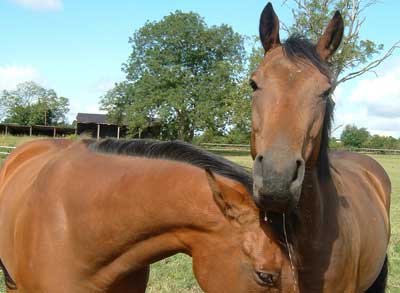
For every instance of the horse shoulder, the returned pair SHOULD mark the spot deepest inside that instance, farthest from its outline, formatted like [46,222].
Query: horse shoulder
[367,168]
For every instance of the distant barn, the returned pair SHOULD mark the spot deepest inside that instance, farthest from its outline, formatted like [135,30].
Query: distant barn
[40,130]
[97,126]
[87,124]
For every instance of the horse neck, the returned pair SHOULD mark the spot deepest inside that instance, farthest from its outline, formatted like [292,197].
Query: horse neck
[315,229]
[157,220]
[318,205]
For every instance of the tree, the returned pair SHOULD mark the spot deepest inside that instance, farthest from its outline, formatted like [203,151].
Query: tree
[354,57]
[31,104]
[354,137]
[355,54]
[115,102]
[182,73]
[382,142]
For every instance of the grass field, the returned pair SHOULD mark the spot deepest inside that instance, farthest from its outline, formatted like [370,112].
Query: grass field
[175,274]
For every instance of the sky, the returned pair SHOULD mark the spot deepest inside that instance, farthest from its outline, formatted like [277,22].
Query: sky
[77,47]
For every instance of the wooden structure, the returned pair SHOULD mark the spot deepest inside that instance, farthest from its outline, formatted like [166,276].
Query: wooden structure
[54,131]
[97,126]
[93,125]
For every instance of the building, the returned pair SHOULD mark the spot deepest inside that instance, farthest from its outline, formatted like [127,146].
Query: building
[40,130]
[96,126]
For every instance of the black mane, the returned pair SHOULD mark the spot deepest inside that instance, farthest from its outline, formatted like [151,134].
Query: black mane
[176,151]
[297,48]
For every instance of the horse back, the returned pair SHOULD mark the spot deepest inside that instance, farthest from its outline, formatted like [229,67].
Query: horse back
[28,151]
[27,159]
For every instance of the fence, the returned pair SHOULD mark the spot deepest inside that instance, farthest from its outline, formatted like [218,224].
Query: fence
[5,150]
[245,148]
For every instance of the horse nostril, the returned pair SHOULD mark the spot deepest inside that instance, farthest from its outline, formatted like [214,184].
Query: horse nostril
[260,158]
[299,171]
[296,171]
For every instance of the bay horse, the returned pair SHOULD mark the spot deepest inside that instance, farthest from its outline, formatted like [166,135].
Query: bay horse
[334,205]
[91,216]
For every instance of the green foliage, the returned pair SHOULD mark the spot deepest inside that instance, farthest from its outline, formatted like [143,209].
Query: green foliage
[335,144]
[382,142]
[361,138]
[115,102]
[181,72]
[354,137]
[31,104]
[312,16]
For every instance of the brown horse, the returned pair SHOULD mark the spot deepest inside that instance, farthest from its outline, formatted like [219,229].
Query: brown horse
[337,205]
[91,216]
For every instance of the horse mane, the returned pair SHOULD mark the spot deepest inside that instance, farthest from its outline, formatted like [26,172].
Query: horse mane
[298,49]
[176,151]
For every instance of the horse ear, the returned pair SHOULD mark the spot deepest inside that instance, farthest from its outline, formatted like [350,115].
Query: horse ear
[232,202]
[331,38]
[269,28]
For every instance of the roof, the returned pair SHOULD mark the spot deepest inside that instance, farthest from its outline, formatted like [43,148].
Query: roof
[91,118]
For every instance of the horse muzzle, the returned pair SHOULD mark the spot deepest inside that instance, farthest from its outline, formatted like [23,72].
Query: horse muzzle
[278,179]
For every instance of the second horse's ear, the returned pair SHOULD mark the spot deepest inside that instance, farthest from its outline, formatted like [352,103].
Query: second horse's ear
[234,203]
[269,28]
[330,40]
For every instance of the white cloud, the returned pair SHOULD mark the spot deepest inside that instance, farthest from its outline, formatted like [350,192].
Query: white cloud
[381,95]
[44,5]
[373,103]
[12,75]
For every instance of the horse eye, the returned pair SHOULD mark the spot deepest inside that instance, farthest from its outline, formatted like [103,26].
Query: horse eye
[266,279]
[253,85]
[326,93]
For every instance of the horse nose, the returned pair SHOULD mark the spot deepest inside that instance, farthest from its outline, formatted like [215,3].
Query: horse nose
[278,177]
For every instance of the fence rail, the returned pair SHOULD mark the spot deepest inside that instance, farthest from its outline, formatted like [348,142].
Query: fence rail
[5,149]
[246,147]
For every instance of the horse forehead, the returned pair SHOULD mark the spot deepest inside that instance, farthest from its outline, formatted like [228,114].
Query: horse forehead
[278,66]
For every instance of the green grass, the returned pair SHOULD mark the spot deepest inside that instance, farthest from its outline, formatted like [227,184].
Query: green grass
[174,274]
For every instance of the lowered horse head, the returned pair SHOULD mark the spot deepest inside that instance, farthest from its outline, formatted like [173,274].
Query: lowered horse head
[291,111]
[256,263]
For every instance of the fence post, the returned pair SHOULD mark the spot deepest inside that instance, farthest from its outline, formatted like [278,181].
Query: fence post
[98,131]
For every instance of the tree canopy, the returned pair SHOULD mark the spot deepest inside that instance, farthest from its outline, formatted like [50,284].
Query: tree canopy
[182,73]
[193,78]
[353,136]
[31,104]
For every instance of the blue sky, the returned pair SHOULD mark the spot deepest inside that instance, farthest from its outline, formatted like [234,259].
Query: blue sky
[77,48]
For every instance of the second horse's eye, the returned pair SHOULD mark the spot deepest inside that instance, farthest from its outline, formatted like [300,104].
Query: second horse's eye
[253,85]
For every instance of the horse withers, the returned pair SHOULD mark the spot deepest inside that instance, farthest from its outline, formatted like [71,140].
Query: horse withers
[91,216]
[336,205]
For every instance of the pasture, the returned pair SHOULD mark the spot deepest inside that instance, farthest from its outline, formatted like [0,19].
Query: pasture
[175,274]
